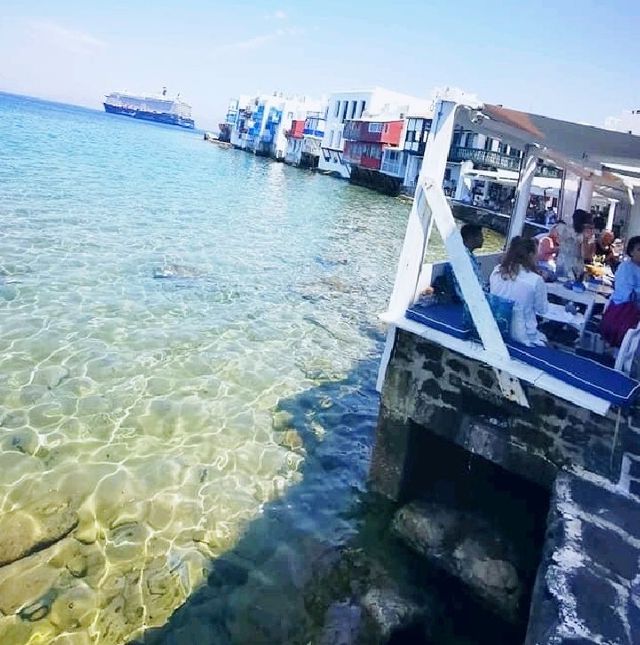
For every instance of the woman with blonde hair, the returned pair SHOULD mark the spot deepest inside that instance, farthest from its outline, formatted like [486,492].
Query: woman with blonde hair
[516,279]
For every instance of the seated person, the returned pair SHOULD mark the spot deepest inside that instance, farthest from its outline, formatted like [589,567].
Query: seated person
[550,217]
[548,247]
[605,251]
[446,287]
[516,279]
[623,312]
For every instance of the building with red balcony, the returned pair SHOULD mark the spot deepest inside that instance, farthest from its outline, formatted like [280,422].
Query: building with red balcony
[297,129]
[365,143]
[303,140]
[371,131]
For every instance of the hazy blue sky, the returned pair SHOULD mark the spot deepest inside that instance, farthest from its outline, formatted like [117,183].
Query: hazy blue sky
[578,59]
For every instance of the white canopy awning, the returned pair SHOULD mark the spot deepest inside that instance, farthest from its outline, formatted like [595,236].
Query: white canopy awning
[611,160]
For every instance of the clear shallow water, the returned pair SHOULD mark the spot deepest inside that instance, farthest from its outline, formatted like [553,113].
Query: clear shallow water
[148,422]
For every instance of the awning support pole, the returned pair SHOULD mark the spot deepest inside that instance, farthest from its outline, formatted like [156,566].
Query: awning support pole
[585,195]
[612,213]
[523,193]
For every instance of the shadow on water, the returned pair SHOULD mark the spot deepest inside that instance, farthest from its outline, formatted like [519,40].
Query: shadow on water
[254,592]
[324,544]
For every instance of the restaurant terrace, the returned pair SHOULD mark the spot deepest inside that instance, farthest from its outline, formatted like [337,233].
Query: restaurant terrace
[605,162]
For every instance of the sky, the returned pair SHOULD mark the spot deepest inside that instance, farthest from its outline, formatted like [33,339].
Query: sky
[577,60]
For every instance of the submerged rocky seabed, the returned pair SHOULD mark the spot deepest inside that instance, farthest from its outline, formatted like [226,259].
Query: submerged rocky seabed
[115,501]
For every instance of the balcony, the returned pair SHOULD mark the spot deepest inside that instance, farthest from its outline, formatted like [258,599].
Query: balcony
[387,132]
[393,167]
[310,132]
[372,163]
[485,157]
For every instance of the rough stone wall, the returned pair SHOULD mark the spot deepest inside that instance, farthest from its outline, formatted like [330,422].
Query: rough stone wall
[429,388]
[587,586]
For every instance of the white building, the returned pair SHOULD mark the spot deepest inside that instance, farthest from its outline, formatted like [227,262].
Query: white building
[304,139]
[261,122]
[246,105]
[292,109]
[628,121]
[348,106]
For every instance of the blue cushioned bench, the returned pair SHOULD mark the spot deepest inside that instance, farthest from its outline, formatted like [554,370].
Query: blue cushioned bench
[445,318]
[578,371]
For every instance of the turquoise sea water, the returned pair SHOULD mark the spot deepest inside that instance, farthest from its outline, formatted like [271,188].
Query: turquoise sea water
[188,339]
[188,351]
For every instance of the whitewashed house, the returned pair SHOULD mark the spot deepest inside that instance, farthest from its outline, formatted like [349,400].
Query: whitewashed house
[354,105]
[304,139]
[293,109]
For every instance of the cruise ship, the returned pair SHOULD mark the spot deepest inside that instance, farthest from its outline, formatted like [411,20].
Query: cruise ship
[159,108]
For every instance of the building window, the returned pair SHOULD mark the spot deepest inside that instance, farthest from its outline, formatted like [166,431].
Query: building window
[354,105]
[345,107]
[375,127]
[363,107]
[337,114]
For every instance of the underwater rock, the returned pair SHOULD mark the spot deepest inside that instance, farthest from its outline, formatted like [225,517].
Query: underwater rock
[15,630]
[282,421]
[342,624]
[24,583]
[73,638]
[35,527]
[74,608]
[467,547]
[38,609]
[51,376]
[173,270]
[24,440]
[387,611]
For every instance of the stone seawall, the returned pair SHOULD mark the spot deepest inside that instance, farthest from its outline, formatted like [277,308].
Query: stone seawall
[458,399]
[443,414]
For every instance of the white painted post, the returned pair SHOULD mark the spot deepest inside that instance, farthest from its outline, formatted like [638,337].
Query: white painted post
[633,223]
[463,185]
[584,195]
[472,292]
[523,193]
[419,224]
[612,213]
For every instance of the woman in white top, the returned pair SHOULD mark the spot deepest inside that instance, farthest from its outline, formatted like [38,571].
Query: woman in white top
[515,279]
